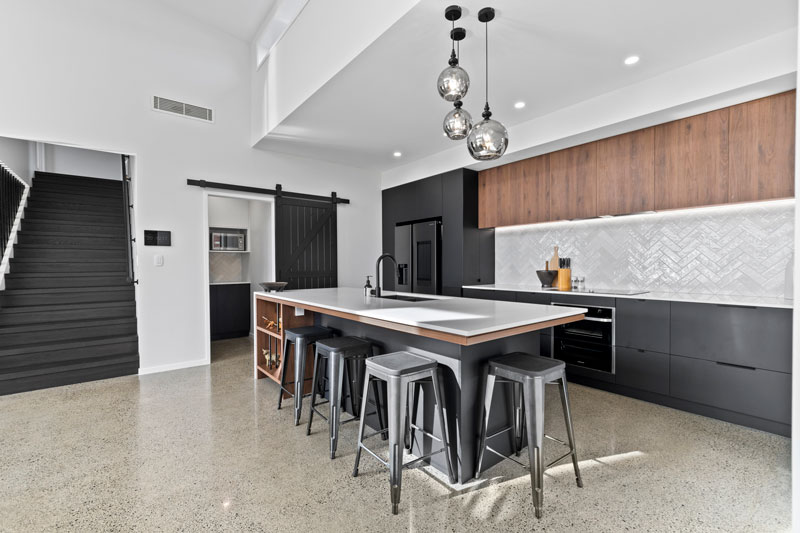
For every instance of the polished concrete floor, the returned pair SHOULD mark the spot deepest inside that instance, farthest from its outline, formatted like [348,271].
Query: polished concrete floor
[204,449]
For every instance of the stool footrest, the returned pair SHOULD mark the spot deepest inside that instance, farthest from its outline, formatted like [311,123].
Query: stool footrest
[559,459]
[431,435]
[504,456]
[493,435]
[556,440]
[373,454]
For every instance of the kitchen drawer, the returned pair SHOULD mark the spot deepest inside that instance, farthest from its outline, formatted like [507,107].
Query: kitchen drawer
[754,392]
[481,294]
[760,337]
[643,370]
[643,324]
[582,300]
[505,296]
[533,298]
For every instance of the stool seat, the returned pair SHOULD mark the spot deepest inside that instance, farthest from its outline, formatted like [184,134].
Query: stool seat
[347,346]
[400,364]
[308,333]
[518,366]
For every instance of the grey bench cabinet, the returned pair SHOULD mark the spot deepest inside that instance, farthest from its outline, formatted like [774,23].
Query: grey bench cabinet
[755,392]
[488,294]
[643,324]
[642,370]
[758,337]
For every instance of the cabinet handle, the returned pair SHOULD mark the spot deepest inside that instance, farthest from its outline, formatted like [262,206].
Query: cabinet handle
[743,367]
[639,350]
[738,306]
[592,319]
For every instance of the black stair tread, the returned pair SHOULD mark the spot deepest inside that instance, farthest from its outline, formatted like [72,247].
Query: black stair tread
[67,307]
[82,188]
[26,265]
[64,205]
[51,275]
[62,366]
[53,212]
[77,199]
[59,178]
[65,345]
[54,233]
[66,324]
[72,222]
[76,248]
[24,292]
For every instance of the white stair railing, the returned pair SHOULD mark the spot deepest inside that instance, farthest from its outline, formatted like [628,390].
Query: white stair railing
[16,222]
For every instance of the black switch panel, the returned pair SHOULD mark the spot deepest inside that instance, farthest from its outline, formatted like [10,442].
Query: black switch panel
[157,238]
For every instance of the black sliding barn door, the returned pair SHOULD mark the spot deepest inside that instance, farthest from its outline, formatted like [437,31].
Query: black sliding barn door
[305,242]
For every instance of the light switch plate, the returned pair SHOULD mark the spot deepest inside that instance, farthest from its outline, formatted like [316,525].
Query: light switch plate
[158,260]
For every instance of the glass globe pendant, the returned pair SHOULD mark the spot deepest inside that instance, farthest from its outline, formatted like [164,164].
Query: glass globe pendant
[453,82]
[457,123]
[488,139]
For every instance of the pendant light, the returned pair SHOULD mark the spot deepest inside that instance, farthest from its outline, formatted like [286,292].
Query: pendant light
[453,82]
[458,122]
[489,138]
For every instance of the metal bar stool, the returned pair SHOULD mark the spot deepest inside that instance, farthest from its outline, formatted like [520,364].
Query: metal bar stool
[532,372]
[301,338]
[345,355]
[398,370]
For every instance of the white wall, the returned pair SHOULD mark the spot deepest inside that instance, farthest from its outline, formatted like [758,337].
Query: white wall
[322,40]
[108,67]
[228,212]
[14,153]
[80,162]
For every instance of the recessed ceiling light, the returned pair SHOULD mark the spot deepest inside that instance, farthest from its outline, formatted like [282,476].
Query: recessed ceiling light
[397,154]
[519,105]
[631,60]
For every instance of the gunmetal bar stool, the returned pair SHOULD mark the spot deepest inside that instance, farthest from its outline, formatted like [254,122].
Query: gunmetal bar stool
[533,372]
[398,370]
[345,356]
[301,338]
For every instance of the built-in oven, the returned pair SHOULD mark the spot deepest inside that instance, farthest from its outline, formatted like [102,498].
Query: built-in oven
[587,343]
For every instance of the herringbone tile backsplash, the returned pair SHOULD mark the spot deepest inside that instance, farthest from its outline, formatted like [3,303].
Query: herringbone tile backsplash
[742,249]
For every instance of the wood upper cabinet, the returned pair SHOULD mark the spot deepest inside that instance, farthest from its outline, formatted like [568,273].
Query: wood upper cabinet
[762,148]
[691,161]
[573,182]
[625,173]
[517,193]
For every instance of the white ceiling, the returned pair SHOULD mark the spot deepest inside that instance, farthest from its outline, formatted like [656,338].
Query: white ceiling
[239,18]
[548,53]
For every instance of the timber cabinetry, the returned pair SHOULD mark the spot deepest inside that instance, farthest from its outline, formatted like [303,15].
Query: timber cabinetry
[741,153]
[573,182]
[762,149]
[625,181]
[691,161]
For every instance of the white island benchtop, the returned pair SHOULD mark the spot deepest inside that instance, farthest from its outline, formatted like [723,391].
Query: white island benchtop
[464,321]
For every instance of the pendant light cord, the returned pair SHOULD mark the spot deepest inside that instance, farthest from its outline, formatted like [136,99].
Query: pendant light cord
[486,25]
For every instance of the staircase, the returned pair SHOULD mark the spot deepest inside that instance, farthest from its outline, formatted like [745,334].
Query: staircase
[68,313]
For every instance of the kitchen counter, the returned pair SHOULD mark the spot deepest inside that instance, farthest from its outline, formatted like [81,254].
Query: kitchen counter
[464,318]
[460,334]
[721,299]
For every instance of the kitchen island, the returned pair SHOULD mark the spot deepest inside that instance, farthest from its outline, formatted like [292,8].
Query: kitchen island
[461,334]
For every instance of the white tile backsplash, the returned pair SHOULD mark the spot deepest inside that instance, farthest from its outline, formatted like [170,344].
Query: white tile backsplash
[740,249]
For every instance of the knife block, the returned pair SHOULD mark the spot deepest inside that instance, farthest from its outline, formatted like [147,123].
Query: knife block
[564,279]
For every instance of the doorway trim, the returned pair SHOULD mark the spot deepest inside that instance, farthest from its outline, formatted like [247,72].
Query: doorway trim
[206,274]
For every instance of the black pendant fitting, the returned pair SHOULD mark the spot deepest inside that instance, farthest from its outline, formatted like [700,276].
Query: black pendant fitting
[453,59]
[457,104]
[486,14]
[458,34]
[452,13]
[486,113]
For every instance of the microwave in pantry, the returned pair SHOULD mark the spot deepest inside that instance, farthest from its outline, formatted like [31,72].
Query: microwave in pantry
[228,241]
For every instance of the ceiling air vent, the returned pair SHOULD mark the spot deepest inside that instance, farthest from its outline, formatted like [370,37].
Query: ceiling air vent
[180,108]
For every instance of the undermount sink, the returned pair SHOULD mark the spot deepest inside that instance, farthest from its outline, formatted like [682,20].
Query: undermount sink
[406,298]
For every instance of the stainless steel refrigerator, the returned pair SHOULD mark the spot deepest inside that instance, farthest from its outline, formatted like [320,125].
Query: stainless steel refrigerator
[418,250]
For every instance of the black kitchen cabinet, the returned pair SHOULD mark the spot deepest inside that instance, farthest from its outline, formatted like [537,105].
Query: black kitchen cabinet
[533,298]
[760,393]
[581,300]
[643,324]
[642,369]
[757,337]
[467,252]
[230,311]
[481,294]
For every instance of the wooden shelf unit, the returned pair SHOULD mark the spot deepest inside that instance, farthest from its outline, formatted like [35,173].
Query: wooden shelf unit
[271,340]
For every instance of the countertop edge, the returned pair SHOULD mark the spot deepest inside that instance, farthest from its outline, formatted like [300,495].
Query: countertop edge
[712,299]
